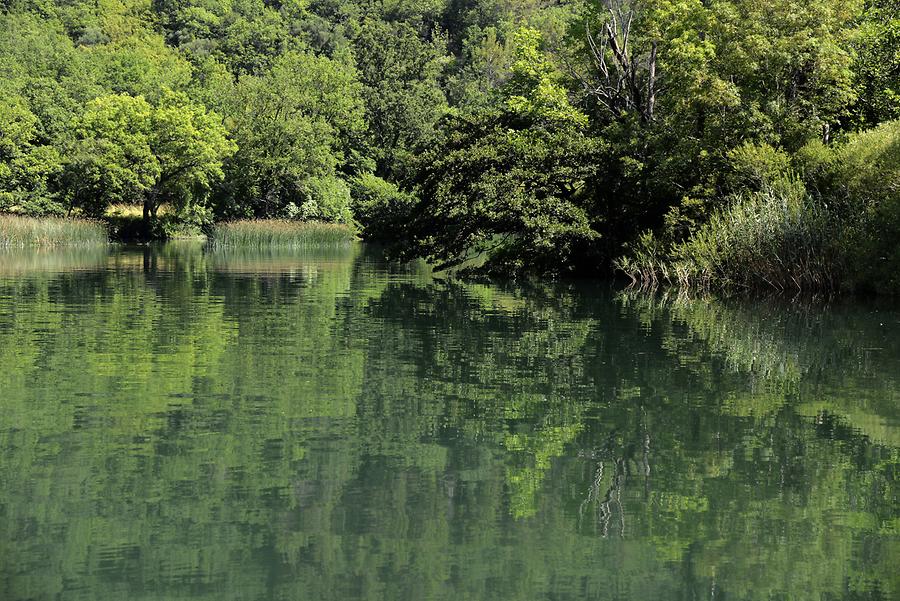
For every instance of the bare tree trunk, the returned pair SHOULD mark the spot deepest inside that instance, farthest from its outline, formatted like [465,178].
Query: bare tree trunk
[151,202]
[651,82]
[625,79]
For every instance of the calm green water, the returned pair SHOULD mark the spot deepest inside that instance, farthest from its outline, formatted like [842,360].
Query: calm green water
[177,424]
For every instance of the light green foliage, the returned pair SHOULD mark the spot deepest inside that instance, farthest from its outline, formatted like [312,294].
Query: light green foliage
[535,90]
[326,199]
[790,60]
[756,165]
[868,165]
[782,67]
[26,167]
[866,180]
[379,206]
[877,66]
[113,161]
[481,36]
[190,144]
[139,66]
[134,153]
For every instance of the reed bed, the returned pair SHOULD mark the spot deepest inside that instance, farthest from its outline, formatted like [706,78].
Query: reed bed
[281,233]
[778,239]
[19,232]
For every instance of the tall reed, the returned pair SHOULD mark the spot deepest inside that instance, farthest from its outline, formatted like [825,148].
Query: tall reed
[776,238]
[18,231]
[281,233]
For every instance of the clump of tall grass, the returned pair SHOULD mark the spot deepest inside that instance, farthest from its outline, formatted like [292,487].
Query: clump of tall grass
[778,237]
[19,231]
[281,233]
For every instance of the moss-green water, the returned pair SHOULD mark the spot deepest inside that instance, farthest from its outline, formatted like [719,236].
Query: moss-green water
[180,423]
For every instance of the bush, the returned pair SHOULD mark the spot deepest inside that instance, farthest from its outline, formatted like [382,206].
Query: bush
[755,165]
[775,234]
[778,237]
[325,199]
[380,207]
[866,174]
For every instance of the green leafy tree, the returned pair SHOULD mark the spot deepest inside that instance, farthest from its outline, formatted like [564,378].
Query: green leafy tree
[535,90]
[403,99]
[27,167]
[302,120]
[505,191]
[132,152]
[190,144]
[877,66]
[112,160]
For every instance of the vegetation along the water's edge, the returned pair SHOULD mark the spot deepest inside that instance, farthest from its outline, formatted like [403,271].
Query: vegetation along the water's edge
[730,144]
[281,233]
[20,232]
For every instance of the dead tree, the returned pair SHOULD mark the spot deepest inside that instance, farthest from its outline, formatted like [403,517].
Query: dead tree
[624,78]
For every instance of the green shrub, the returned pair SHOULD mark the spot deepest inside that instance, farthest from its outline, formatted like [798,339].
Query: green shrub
[755,165]
[324,199]
[779,237]
[17,231]
[281,233]
[380,207]
[866,174]
[839,229]
[646,261]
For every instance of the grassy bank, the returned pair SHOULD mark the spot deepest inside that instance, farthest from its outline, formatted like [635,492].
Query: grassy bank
[17,231]
[281,233]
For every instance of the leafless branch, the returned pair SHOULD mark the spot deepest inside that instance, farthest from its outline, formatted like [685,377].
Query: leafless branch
[624,79]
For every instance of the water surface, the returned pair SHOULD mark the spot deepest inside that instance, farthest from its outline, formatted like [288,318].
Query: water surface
[184,424]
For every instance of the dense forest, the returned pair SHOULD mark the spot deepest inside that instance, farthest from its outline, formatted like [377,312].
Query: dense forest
[742,143]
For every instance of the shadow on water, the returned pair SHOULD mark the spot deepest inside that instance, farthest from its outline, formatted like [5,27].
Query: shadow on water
[185,424]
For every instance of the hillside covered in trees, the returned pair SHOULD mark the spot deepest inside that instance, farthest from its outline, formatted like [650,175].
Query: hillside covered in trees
[748,143]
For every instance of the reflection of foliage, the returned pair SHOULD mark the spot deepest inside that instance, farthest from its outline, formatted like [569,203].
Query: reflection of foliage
[783,350]
[321,426]
[525,482]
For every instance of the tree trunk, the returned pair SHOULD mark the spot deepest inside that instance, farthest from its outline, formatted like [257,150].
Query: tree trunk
[150,207]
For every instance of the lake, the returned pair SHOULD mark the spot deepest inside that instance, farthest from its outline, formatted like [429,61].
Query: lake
[178,423]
